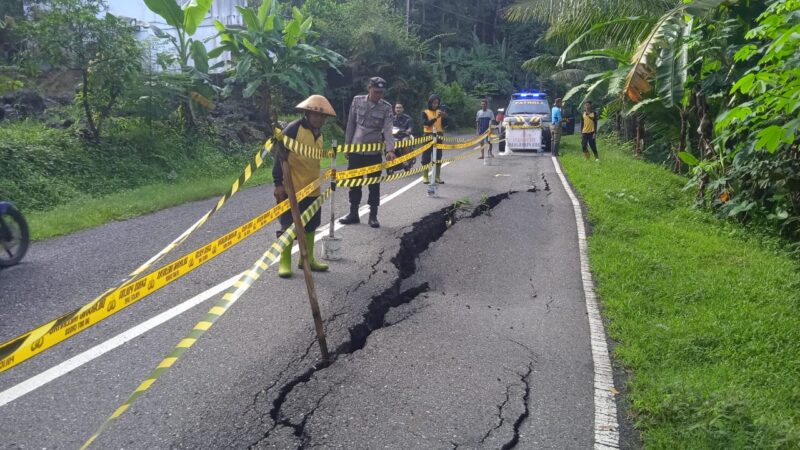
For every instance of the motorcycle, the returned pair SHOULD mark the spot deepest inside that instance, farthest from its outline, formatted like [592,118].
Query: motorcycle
[401,135]
[14,235]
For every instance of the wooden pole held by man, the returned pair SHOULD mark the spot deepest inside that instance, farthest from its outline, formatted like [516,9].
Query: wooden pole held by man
[283,159]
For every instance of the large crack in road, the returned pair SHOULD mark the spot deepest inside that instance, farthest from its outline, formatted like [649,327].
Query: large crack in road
[413,243]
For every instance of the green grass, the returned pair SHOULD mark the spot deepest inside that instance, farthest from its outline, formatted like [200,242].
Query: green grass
[88,212]
[64,184]
[706,313]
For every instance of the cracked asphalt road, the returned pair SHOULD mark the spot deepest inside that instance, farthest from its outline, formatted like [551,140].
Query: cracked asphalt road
[472,336]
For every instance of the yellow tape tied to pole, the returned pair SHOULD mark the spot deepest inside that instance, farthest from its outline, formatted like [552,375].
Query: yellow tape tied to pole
[465,144]
[360,172]
[27,345]
[221,307]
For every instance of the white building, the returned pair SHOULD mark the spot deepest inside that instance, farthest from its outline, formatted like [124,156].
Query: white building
[138,15]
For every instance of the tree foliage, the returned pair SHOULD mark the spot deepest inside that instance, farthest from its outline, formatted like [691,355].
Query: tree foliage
[103,50]
[271,52]
[371,35]
[759,135]
[196,99]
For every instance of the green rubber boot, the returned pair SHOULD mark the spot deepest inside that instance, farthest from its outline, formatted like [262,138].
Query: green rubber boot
[285,264]
[425,179]
[438,170]
[316,266]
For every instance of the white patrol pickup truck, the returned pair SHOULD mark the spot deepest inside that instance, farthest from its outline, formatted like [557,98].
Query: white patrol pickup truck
[526,125]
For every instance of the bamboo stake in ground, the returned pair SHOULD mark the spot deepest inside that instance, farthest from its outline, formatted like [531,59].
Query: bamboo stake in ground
[283,160]
[333,191]
[331,245]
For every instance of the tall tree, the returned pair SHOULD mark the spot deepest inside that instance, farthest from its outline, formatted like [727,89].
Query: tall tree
[69,34]
[185,21]
[272,52]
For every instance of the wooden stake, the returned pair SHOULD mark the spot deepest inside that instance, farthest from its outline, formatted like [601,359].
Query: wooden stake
[333,189]
[283,158]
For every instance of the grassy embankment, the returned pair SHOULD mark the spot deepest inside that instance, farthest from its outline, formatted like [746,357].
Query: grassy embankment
[706,313]
[64,185]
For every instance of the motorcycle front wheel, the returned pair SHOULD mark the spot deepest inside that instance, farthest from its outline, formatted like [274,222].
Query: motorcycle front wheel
[14,237]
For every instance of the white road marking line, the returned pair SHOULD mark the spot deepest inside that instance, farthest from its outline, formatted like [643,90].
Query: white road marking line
[39,380]
[606,428]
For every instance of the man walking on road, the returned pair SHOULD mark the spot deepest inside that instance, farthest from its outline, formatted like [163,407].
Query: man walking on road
[483,120]
[433,119]
[370,121]
[555,126]
[304,171]
[589,131]
[402,120]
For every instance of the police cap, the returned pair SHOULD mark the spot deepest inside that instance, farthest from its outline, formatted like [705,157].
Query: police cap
[377,83]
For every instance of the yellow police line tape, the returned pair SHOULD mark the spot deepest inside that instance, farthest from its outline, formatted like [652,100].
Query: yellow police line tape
[413,142]
[255,163]
[465,144]
[233,294]
[353,182]
[361,148]
[353,173]
[41,338]
[240,287]
[318,153]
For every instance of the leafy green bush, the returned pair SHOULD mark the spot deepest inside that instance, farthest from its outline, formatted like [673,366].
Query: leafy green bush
[461,107]
[45,167]
[372,36]
[760,132]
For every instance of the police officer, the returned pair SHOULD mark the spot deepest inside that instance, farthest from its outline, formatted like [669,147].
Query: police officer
[370,121]
[306,130]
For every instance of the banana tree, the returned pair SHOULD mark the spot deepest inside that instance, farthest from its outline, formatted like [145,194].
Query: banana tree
[656,74]
[272,52]
[185,20]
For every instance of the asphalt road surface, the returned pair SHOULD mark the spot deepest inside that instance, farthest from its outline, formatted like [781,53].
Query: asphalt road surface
[473,335]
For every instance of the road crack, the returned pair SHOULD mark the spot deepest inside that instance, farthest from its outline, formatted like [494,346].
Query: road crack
[412,244]
[374,268]
[525,379]
[500,419]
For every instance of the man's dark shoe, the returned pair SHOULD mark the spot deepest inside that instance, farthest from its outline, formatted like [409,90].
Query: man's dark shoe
[373,221]
[351,218]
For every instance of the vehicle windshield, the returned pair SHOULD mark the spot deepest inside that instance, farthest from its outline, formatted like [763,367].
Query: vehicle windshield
[528,107]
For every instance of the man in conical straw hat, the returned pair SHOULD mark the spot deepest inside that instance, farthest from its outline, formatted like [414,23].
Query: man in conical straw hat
[306,130]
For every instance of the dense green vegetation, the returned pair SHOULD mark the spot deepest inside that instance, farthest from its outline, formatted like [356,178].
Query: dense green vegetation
[52,167]
[712,84]
[704,312]
[147,112]
[707,89]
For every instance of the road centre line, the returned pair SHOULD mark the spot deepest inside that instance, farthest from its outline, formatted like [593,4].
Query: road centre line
[59,370]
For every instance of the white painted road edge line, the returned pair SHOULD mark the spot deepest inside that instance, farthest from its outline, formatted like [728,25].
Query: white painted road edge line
[606,428]
[39,380]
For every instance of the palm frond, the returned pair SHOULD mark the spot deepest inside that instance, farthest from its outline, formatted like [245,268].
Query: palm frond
[569,76]
[637,82]
[542,64]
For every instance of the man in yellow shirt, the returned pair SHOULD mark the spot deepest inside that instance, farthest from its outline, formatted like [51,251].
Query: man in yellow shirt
[589,131]
[304,171]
